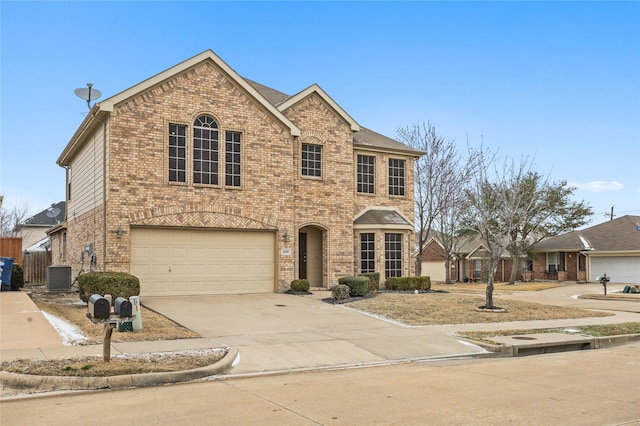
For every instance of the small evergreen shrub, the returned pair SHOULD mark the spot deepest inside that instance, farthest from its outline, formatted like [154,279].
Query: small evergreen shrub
[300,285]
[408,283]
[117,284]
[358,286]
[374,280]
[340,292]
[17,277]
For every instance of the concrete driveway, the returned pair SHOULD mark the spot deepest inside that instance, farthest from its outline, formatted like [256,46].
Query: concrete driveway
[275,332]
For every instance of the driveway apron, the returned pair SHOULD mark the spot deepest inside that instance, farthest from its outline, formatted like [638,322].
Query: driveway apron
[275,332]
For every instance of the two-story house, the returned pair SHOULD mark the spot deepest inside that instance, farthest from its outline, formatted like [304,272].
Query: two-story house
[199,181]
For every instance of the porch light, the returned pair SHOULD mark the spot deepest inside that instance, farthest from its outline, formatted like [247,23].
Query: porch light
[285,236]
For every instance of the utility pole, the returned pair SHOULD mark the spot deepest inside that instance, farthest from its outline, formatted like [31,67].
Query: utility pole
[611,217]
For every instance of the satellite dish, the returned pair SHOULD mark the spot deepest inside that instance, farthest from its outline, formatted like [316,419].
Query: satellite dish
[53,212]
[88,94]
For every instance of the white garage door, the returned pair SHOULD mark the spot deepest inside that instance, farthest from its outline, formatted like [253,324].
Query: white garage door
[182,262]
[434,270]
[620,269]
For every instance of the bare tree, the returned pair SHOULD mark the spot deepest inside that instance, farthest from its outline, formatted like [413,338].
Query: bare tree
[10,216]
[438,178]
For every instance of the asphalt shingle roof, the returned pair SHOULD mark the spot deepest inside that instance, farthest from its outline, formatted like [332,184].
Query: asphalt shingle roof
[381,217]
[622,234]
[42,219]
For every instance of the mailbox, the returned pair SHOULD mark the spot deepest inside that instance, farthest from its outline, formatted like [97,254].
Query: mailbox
[123,307]
[98,307]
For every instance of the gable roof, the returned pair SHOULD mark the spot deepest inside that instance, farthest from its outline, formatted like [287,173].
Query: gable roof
[621,234]
[314,88]
[108,104]
[362,138]
[42,219]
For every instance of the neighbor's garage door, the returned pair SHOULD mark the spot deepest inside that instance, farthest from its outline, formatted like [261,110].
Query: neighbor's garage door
[619,269]
[183,262]
[433,270]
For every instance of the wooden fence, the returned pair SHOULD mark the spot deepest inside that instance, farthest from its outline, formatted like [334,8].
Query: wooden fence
[35,266]
[11,247]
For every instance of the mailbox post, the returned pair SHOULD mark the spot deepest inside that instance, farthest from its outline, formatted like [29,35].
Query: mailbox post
[604,280]
[99,312]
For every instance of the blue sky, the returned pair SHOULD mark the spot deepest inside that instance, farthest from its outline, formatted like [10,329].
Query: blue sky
[558,82]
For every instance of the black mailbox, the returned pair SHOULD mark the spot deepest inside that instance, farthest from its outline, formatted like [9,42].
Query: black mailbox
[123,307]
[98,307]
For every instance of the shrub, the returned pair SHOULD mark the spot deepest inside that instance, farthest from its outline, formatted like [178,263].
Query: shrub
[374,280]
[358,286]
[340,292]
[408,283]
[17,277]
[300,285]
[117,284]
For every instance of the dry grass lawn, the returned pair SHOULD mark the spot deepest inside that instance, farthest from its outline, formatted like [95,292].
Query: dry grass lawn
[119,364]
[498,288]
[454,308]
[154,325]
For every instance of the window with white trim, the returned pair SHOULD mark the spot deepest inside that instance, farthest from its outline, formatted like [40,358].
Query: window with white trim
[553,262]
[366,174]
[205,151]
[232,158]
[311,160]
[392,255]
[177,153]
[396,176]
[367,253]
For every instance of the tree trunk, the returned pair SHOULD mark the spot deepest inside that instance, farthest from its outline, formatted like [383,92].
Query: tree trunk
[489,294]
[447,271]
[515,265]
[493,265]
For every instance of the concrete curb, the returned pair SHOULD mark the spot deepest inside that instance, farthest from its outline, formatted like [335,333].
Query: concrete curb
[54,383]
[507,350]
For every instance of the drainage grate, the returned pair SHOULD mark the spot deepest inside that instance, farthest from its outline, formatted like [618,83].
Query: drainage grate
[281,306]
[524,338]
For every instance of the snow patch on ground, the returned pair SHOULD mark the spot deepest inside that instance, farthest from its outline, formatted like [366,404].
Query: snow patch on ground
[71,335]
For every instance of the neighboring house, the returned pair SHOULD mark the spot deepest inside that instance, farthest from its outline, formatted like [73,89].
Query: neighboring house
[199,181]
[33,231]
[469,262]
[611,247]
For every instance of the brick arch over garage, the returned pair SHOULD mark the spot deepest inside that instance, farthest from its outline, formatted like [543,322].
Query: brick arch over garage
[202,216]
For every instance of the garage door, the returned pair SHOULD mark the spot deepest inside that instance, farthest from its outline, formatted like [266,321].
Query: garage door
[620,269]
[434,270]
[183,262]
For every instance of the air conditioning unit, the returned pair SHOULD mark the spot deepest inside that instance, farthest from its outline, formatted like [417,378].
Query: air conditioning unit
[59,278]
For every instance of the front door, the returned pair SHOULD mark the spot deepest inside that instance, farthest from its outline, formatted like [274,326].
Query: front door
[302,255]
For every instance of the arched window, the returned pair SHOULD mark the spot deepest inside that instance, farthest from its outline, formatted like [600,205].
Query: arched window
[205,150]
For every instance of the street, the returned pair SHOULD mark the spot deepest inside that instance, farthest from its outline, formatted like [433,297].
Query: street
[593,387]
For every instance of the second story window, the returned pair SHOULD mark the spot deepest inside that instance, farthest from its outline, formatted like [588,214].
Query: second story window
[366,174]
[396,176]
[205,150]
[311,160]
[177,153]
[232,158]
